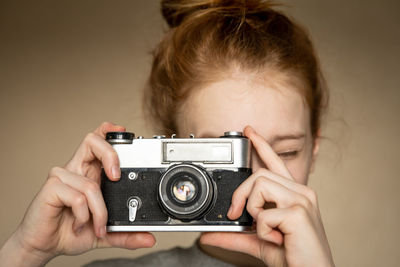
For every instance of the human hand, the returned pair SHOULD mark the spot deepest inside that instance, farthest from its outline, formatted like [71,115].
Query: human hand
[68,215]
[290,234]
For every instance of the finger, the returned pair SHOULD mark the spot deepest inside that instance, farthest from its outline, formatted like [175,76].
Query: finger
[241,242]
[127,240]
[93,148]
[65,196]
[266,190]
[267,154]
[242,193]
[296,226]
[93,195]
[106,127]
[287,220]
[290,184]
[267,226]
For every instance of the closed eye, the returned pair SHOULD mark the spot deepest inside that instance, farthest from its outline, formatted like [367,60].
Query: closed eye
[288,154]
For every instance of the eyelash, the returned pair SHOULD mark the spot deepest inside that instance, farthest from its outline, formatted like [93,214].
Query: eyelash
[288,154]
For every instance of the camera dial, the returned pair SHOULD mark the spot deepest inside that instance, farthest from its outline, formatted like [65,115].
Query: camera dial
[232,134]
[120,137]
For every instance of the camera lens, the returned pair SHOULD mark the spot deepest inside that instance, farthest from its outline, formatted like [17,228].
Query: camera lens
[185,191]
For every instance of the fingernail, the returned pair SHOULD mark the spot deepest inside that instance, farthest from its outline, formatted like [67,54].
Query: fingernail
[116,173]
[102,231]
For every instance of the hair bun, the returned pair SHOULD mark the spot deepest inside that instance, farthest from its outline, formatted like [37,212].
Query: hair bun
[175,11]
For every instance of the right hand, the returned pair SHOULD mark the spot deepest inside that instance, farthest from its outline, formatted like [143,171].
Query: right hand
[68,215]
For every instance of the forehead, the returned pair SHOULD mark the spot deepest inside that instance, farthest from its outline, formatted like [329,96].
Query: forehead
[231,104]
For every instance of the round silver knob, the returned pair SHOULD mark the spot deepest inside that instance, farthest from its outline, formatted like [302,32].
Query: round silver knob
[233,134]
[132,175]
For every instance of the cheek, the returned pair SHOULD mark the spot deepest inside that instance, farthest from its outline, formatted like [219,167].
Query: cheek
[299,169]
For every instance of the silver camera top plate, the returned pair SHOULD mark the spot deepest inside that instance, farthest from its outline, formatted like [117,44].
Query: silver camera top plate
[212,153]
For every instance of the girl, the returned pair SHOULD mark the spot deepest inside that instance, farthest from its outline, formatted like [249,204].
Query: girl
[223,65]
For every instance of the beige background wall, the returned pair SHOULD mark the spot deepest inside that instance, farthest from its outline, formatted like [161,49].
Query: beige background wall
[66,66]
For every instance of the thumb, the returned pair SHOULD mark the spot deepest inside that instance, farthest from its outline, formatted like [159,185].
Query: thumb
[240,242]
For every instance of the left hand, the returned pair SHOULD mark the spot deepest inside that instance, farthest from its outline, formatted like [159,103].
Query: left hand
[292,233]
[68,216]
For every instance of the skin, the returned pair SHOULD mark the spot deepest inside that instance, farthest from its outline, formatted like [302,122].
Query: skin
[284,153]
[68,215]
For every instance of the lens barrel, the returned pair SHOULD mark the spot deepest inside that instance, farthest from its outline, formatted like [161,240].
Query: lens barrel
[185,191]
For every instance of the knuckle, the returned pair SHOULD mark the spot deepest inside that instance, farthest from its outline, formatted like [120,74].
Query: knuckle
[52,180]
[262,217]
[89,137]
[258,172]
[311,195]
[299,212]
[262,184]
[259,181]
[54,171]
[306,203]
[91,187]
[80,200]
[262,172]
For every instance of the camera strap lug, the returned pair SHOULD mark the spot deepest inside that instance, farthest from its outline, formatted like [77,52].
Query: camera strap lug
[133,207]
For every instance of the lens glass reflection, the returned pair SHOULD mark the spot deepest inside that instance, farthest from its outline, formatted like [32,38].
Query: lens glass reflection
[184,190]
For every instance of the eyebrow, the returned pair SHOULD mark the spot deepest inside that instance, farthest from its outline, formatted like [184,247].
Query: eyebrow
[279,138]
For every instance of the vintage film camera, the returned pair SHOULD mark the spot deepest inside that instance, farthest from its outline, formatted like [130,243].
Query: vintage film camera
[176,184]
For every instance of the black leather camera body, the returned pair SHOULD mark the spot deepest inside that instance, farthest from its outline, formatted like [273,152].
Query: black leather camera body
[176,184]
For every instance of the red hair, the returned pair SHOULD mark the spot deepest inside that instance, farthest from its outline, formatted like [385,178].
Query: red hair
[207,38]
